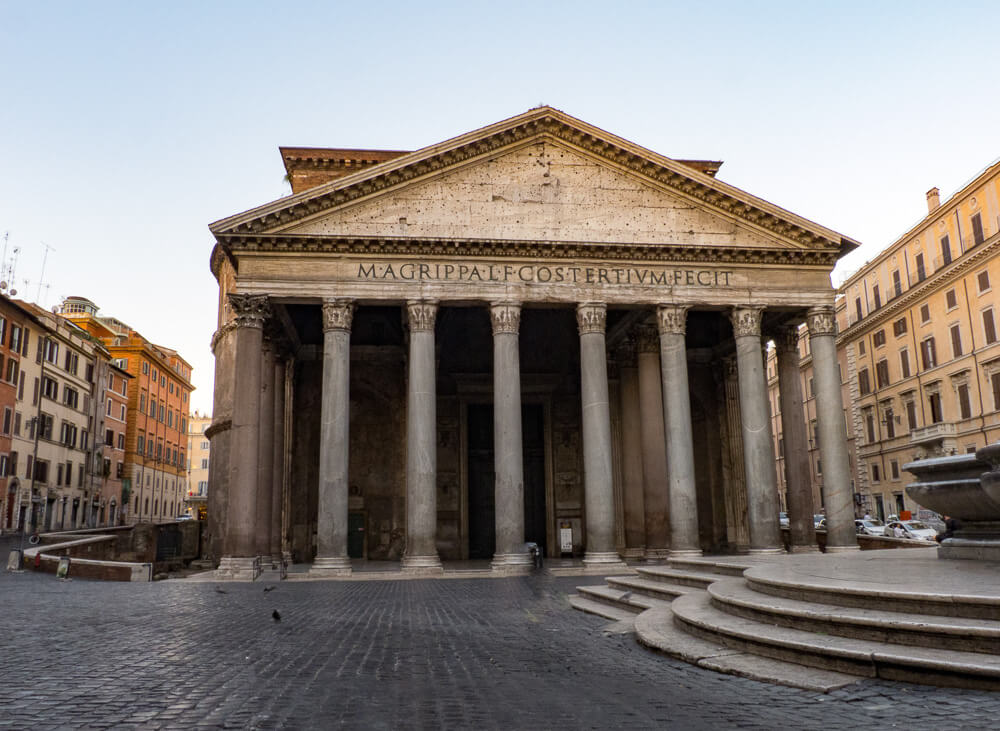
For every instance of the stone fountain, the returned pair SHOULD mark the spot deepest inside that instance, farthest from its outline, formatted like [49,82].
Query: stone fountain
[965,487]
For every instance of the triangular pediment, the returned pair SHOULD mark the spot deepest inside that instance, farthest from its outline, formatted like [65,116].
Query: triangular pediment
[541,176]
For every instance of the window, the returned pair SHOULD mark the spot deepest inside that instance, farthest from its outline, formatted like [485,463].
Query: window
[124,387]
[204,464]
[107,410]
[925,314]
[17,423]
[71,397]
[928,353]
[977,230]
[890,423]
[170,388]
[15,338]
[72,362]
[918,261]
[160,417]
[864,385]
[84,439]
[50,388]
[964,404]
[894,467]
[145,368]
[983,279]
[876,296]
[950,300]
[109,437]
[857,306]
[142,402]
[956,340]
[878,339]
[119,470]
[882,373]
[995,382]
[897,285]
[24,344]
[870,425]
[989,326]
[911,415]
[904,363]
[122,413]
[204,445]
[899,327]
[8,420]
[51,351]
[12,371]
[121,441]
[141,444]
[67,434]
[934,402]
[876,473]
[41,471]
[945,250]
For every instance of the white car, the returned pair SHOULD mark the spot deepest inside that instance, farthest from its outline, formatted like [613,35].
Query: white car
[869,526]
[912,529]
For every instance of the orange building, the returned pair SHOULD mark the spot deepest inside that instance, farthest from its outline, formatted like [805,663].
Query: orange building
[159,394]
[14,324]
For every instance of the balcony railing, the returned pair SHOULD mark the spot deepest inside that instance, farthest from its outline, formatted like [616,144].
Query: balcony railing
[933,432]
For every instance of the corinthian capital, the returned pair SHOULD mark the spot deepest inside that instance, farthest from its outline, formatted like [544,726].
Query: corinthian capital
[672,319]
[821,321]
[647,339]
[746,321]
[250,310]
[786,339]
[591,317]
[506,317]
[421,314]
[338,314]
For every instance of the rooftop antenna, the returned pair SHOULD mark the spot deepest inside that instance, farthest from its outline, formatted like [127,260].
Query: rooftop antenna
[41,277]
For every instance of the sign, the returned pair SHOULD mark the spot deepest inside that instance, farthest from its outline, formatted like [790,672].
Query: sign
[566,537]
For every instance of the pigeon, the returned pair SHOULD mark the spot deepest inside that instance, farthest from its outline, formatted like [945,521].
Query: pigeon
[220,590]
[269,588]
[275,616]
[625,597]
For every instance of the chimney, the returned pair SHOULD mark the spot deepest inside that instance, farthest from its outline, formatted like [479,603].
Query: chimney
[933,200]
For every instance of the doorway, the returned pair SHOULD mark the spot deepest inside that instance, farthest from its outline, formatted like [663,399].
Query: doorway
[481,478]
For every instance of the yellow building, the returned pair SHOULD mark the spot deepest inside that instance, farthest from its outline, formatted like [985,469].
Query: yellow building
[197,466]
[918,346]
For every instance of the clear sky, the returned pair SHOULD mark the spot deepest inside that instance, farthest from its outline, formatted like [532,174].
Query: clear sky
[127,127]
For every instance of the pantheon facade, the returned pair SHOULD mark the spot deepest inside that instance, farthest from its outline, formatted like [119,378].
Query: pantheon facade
[536,332]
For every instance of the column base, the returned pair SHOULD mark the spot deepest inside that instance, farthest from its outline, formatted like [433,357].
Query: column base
[511,563]
[686,553]
[330,566]
[656,555]
[603,561]
[634,553]
[804,549]
[766,551]
[844,549]
[238,568]
[422,564]
[277,560]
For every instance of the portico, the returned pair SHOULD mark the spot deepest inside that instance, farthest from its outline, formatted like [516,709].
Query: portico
[456,330]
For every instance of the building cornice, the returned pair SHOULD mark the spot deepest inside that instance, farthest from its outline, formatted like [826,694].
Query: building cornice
[403,246]
[936,281]
[543,123]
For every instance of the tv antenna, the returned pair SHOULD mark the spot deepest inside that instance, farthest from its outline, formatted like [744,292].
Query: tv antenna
[7,268]
[41,277]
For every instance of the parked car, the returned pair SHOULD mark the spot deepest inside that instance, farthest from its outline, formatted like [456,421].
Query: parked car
[869,526]
[184,517]
[912,529]
[783,519]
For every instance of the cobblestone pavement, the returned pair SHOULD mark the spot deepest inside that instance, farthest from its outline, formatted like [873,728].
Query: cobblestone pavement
[459,653]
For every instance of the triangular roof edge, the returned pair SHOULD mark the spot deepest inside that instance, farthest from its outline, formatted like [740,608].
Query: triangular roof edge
[723,195]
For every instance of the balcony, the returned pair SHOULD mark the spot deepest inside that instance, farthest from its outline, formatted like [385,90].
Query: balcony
[935,440]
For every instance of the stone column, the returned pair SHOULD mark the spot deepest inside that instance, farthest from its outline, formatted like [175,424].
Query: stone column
[635,528]
[684,539]
[655,500]
[265,459]
[277,461]
[331,529]
[758,448]
[239,559]
[421,443]
[798,488]
[837,497]
[510,555]
[597,480]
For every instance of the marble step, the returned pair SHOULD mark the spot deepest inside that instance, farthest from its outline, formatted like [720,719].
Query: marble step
[695,614]
[655,589]
[623,599]
[601,609]
[735,596]
[706,565]
[696,579]
[656,630]
[874,596]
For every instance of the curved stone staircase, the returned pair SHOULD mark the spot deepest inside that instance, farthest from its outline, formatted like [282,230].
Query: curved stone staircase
[816,621]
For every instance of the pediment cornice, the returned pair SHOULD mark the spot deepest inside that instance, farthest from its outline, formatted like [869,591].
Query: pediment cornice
[543,123]
[584,250]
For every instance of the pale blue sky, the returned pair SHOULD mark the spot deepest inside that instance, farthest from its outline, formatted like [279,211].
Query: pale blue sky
[126,127]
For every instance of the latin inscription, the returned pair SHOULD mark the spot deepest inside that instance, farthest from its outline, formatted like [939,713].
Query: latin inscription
[528,273]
